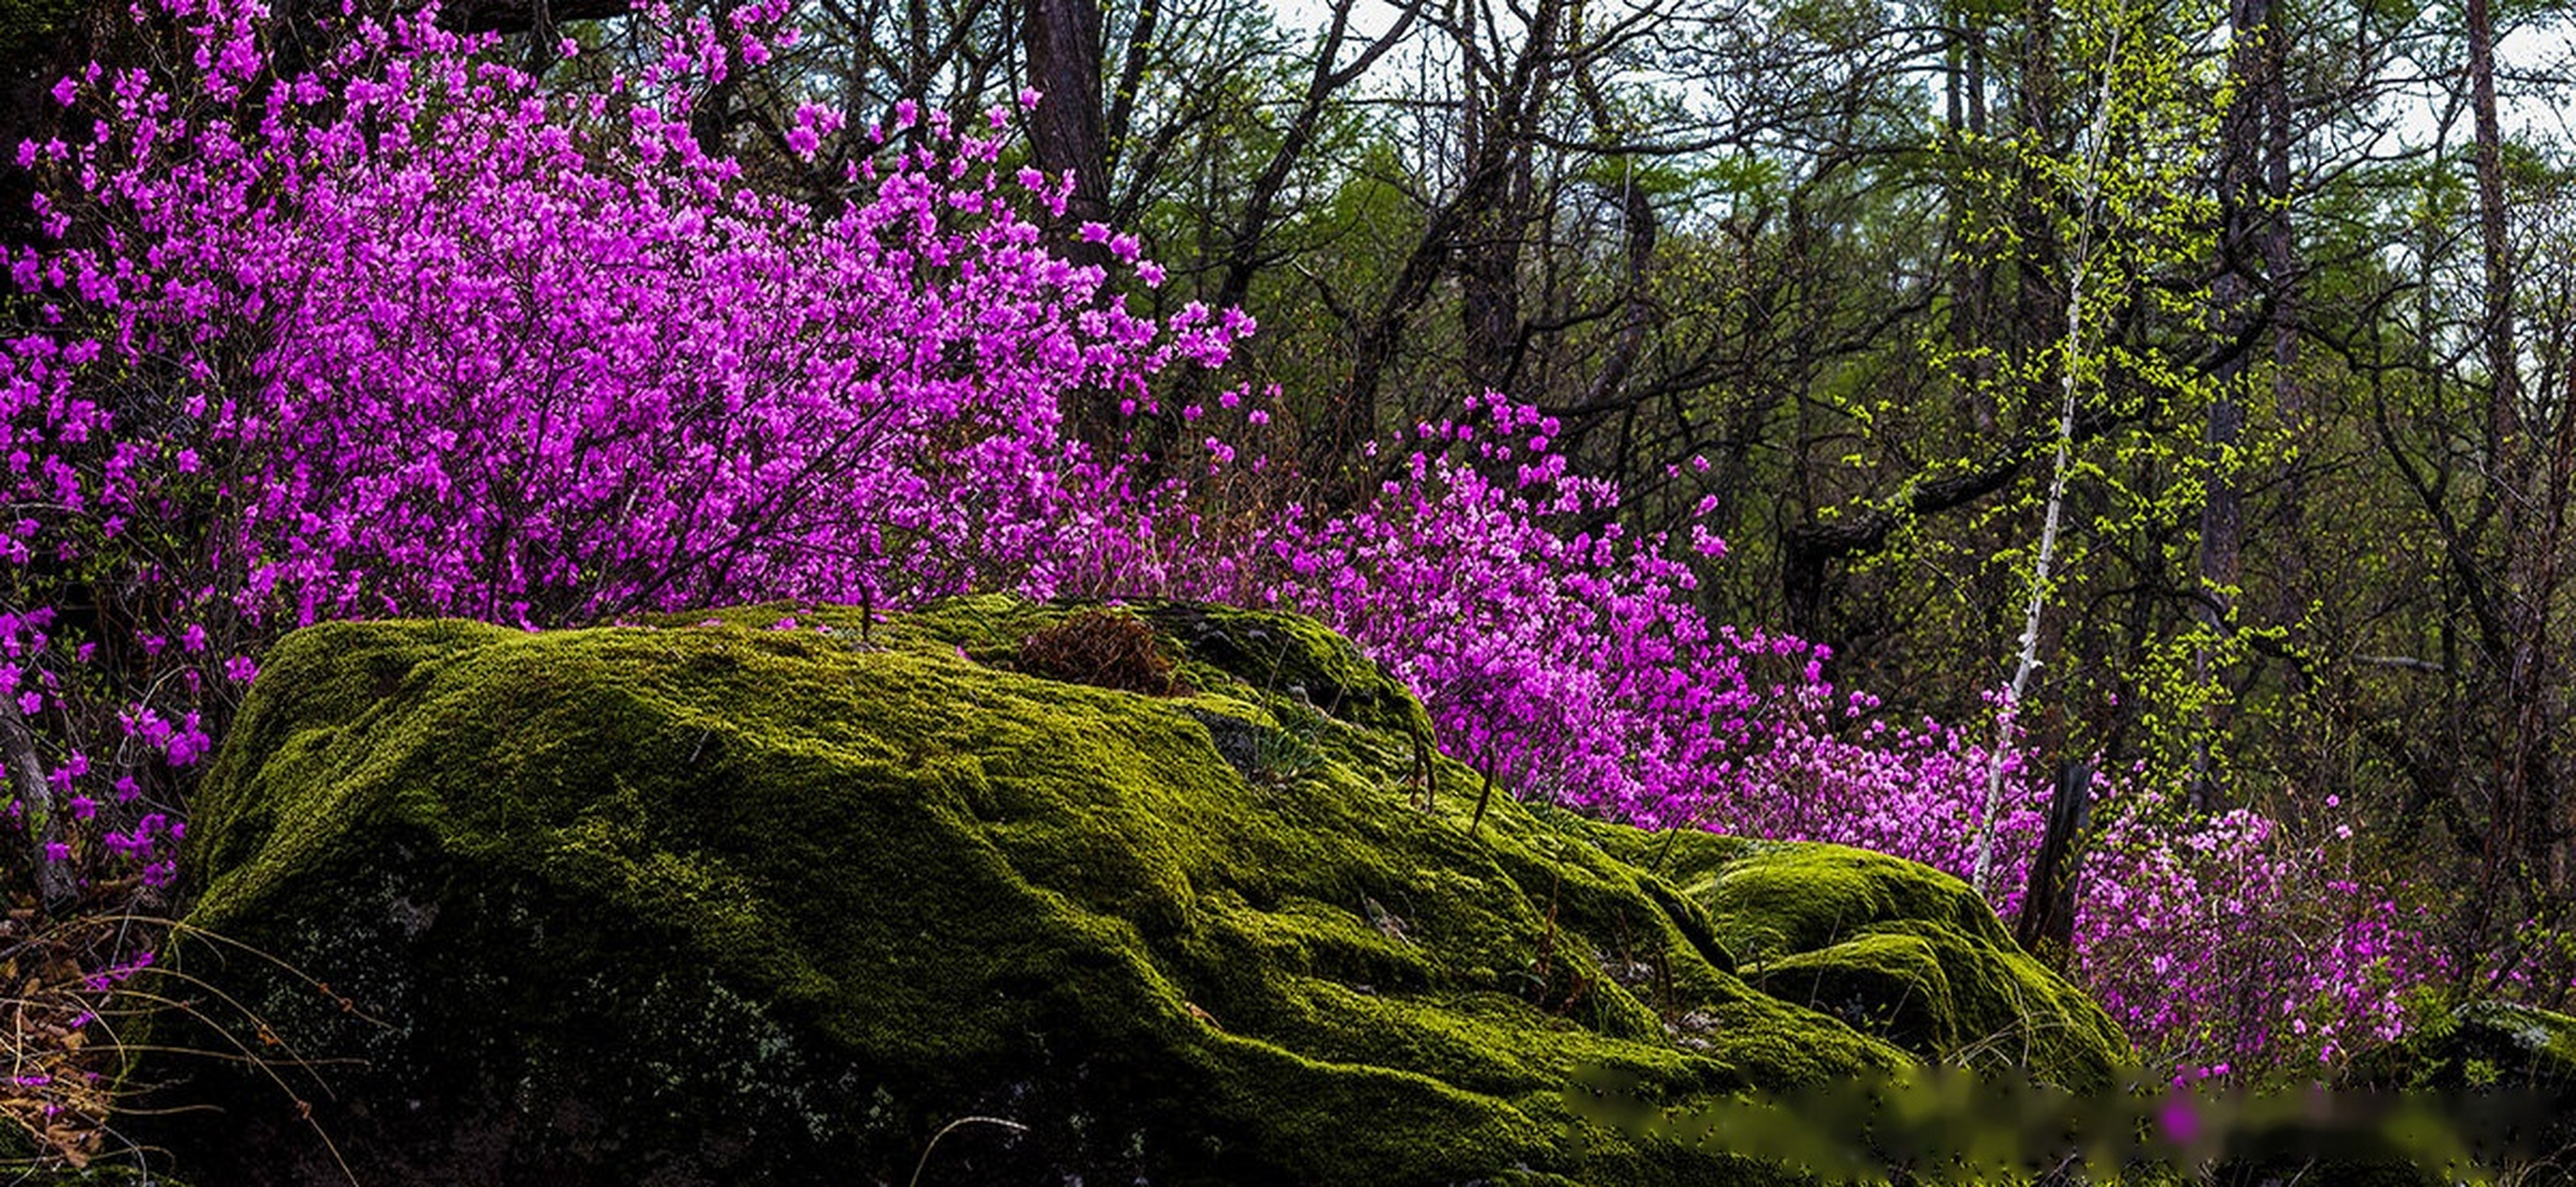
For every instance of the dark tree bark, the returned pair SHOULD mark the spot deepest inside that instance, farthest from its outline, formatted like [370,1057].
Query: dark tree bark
[1068,132]
[1488,251]
[711,121]
[1972,274]
[2512,830]
[1245,247]
[1068,136]
[2046,926]
[54,885]
[1460,234]
[2237,292]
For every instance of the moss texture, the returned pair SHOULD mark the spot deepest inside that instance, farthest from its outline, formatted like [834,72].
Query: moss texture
[700,901]
[2488,1044]
[1899,950]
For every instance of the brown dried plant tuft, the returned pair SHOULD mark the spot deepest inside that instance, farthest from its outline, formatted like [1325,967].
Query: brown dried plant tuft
[1102,649]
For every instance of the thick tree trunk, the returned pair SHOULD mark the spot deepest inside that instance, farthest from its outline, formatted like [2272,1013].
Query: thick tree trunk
[2525,828]
[1068,137]
[2237,293]
[2046,927]
[1068,132]
[1489,297]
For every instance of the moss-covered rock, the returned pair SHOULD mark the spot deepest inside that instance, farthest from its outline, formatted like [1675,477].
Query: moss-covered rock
[2507,1071]
[2481,1045]
[1899,950]
[703,901]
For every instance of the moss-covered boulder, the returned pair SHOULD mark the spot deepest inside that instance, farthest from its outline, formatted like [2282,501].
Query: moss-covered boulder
[2505,1072]
[2478,1046]
[1895,949]
[778,896]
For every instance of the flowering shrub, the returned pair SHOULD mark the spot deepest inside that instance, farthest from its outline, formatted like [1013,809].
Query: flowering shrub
[2228,948]
[1575,664]
[411,334]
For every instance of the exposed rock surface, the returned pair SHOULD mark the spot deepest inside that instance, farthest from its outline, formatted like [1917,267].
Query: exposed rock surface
[725,904]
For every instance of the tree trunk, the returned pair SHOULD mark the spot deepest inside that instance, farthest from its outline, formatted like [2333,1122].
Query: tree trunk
[711,121]
[54,885]
[2237,294]
[1972,275]
[1497,141]
[1068,137]
[2523,832]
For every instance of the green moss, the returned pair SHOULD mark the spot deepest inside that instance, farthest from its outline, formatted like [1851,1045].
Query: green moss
[712,903]
[1899,950]
[2477,1046]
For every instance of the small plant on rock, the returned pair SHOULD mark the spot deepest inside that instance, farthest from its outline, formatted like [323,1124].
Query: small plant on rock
[1103,649]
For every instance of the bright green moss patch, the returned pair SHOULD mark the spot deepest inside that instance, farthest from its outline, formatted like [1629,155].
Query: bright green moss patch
[1896,949]
[722,903]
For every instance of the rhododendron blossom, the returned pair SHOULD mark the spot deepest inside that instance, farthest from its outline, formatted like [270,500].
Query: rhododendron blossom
[412,333]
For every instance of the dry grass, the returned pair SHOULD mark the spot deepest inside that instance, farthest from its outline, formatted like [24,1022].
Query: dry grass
[60,1041]
[1103,649]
